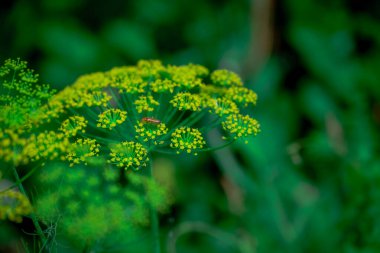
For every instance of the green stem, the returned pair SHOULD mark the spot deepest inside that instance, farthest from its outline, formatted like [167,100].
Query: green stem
[21,180]
[169,114]
[130,99]
[168,152]
[211,149]
[179,118]
[154,220]
[100,139]
[194,118]
[32,215]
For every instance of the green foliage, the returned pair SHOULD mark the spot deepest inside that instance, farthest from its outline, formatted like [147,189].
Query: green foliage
[90,210]
[308,183]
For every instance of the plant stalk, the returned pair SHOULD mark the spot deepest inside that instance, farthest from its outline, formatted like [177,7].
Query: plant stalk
[154,220]
[32,215]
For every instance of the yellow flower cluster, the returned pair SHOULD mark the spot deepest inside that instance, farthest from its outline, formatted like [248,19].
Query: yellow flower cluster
[80,98]
[126,80]
[239,126]
[14,205]
[11,147]
[186,101]
[163,85]
[198,70]
[146,104]
[95,80]
[187,77]
[85,92]
[73,124]
[213,90]
[97,98]
[242,96]
[48,145]
[223,77]
[81,151]
[180,96]
[129,154]
[149,70]
[52,109]
[222,106]
[149,131]
[111,118]
[133,85]
[186,139]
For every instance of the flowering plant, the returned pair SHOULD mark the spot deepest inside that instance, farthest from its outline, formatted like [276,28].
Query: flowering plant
[117,119]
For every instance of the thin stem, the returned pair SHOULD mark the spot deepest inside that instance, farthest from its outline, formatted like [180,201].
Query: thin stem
[24,246]
[21,180]
[160,98]
[194,118]
[154,220]
[169,114]
[179,118]
[99,139]
[32,215]
[130,99]
[217,147]
[168,152]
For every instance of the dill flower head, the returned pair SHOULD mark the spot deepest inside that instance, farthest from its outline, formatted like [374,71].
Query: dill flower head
[131,111]
[223,77]
[222,106]
[47,145]
[186,101]
[82,150]
[128,154]
[148,131]
[187,139]
[163,85]
[146,104]
[242,96]
[111,118]
[73,124]
[239,126]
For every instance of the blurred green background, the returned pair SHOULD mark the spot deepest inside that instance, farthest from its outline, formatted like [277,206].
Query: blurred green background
[310,181]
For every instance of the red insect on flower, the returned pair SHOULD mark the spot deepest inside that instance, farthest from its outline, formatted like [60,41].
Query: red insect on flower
[153,121]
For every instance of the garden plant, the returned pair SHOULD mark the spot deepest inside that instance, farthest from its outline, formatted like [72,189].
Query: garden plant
[90,148]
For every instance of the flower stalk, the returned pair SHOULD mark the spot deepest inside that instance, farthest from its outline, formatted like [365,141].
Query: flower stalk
[32,214]
[155,228]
